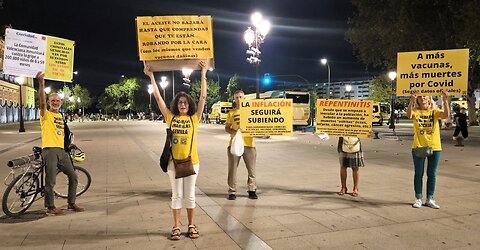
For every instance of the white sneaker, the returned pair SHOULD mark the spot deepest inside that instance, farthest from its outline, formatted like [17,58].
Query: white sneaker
[454,138]
[417,204]
[431,203]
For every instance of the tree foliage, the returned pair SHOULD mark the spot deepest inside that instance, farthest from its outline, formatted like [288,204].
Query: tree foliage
[213,91]
[232,86]
[381,29]
[120,96]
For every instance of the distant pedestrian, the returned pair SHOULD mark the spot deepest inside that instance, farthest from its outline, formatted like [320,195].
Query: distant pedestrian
[350,155]
[461,126]
[183,117]
[425,115]
[232,124]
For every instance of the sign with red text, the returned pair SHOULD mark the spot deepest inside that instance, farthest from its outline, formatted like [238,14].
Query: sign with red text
[430,72]
[351,118]
[266,117]
[28,53]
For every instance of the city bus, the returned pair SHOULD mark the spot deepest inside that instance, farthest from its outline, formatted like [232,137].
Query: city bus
[301,105]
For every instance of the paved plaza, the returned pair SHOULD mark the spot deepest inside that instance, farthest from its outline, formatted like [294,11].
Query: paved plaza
[127,206]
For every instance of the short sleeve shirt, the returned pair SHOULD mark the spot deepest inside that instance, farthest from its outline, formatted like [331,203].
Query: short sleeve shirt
[52,130]
[233,118]
[426,128]
[182,130]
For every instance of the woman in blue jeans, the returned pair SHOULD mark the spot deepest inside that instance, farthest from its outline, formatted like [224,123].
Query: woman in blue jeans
[425,115]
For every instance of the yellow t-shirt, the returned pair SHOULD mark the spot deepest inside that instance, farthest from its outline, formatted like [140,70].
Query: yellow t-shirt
[233,118]
[182,129]
[426,129]
[52,130]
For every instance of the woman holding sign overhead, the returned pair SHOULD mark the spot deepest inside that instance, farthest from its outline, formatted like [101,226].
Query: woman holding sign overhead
[426,142]
[182,118]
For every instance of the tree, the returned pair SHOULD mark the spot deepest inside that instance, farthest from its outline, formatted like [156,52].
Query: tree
[213,92]
[232,86]
[121,95]
[381,29]
[380,89]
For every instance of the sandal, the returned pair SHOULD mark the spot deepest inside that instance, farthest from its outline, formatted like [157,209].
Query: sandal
[355,193]
[193,232]
[175,233]
[342,191]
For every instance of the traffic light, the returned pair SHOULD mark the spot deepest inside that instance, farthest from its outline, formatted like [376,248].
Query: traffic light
[266,79]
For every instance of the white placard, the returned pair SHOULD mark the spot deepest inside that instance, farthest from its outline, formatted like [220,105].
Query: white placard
[24,53]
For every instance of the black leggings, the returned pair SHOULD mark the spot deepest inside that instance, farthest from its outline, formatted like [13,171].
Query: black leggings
[463,130]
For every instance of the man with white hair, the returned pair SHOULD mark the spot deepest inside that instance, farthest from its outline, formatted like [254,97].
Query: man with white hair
[53,152]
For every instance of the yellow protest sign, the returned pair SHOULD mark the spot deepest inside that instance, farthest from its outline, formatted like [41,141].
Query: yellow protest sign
[344,117]
[272,116]
[59,59]
[174,37]
[430,72]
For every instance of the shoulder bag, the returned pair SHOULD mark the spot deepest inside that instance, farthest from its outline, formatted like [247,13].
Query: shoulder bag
[184,167]
[351,145]
[426,151]
[167,149]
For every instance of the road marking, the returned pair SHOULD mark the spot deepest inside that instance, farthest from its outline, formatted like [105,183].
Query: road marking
[18,145]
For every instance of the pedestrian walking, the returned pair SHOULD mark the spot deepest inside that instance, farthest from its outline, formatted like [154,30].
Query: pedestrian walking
[183,118]
[426,143]
[232,124]
[350,155]
[461,126]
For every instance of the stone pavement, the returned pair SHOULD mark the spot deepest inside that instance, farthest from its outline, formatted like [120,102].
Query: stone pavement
[298,177]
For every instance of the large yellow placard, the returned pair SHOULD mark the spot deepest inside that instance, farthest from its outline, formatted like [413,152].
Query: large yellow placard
[344,117]
[174,37]
[272,117]
[430,72]
[59,59]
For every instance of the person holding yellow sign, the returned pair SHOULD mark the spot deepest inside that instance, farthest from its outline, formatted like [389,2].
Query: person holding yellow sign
[249,152]
[426,142]
[183,118]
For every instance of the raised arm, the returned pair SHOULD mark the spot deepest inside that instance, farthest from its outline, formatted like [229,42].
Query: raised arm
[203,90]
[158,97]
[41,93]
[413,99]
[445,104]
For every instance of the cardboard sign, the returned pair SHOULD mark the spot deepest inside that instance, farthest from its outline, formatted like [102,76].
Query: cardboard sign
[430,72]
[351,118]
[272,116]
[167,38]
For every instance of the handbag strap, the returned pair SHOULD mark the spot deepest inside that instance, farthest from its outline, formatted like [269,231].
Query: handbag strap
[193,133]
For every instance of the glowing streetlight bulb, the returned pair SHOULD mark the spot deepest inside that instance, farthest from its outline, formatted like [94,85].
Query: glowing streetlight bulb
[256,18]
[392,75]
[264,27]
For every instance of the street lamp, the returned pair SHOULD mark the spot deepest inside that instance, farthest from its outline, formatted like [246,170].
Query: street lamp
[20,81]
[150,91]
[324,61]
[163,85]
[392,75]
[218,77]
[186,76]
[348,88]
[254,38]
[47,90]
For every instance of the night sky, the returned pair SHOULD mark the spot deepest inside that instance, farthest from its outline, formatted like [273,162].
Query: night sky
[104,31]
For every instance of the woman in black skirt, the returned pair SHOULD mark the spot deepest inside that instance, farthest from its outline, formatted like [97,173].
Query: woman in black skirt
[351,156]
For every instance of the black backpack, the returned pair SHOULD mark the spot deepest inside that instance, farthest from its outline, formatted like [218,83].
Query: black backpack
[67,139]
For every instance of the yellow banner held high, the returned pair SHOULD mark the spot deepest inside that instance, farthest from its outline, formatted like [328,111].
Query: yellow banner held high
[174,37]
[59,59]
[430,72]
